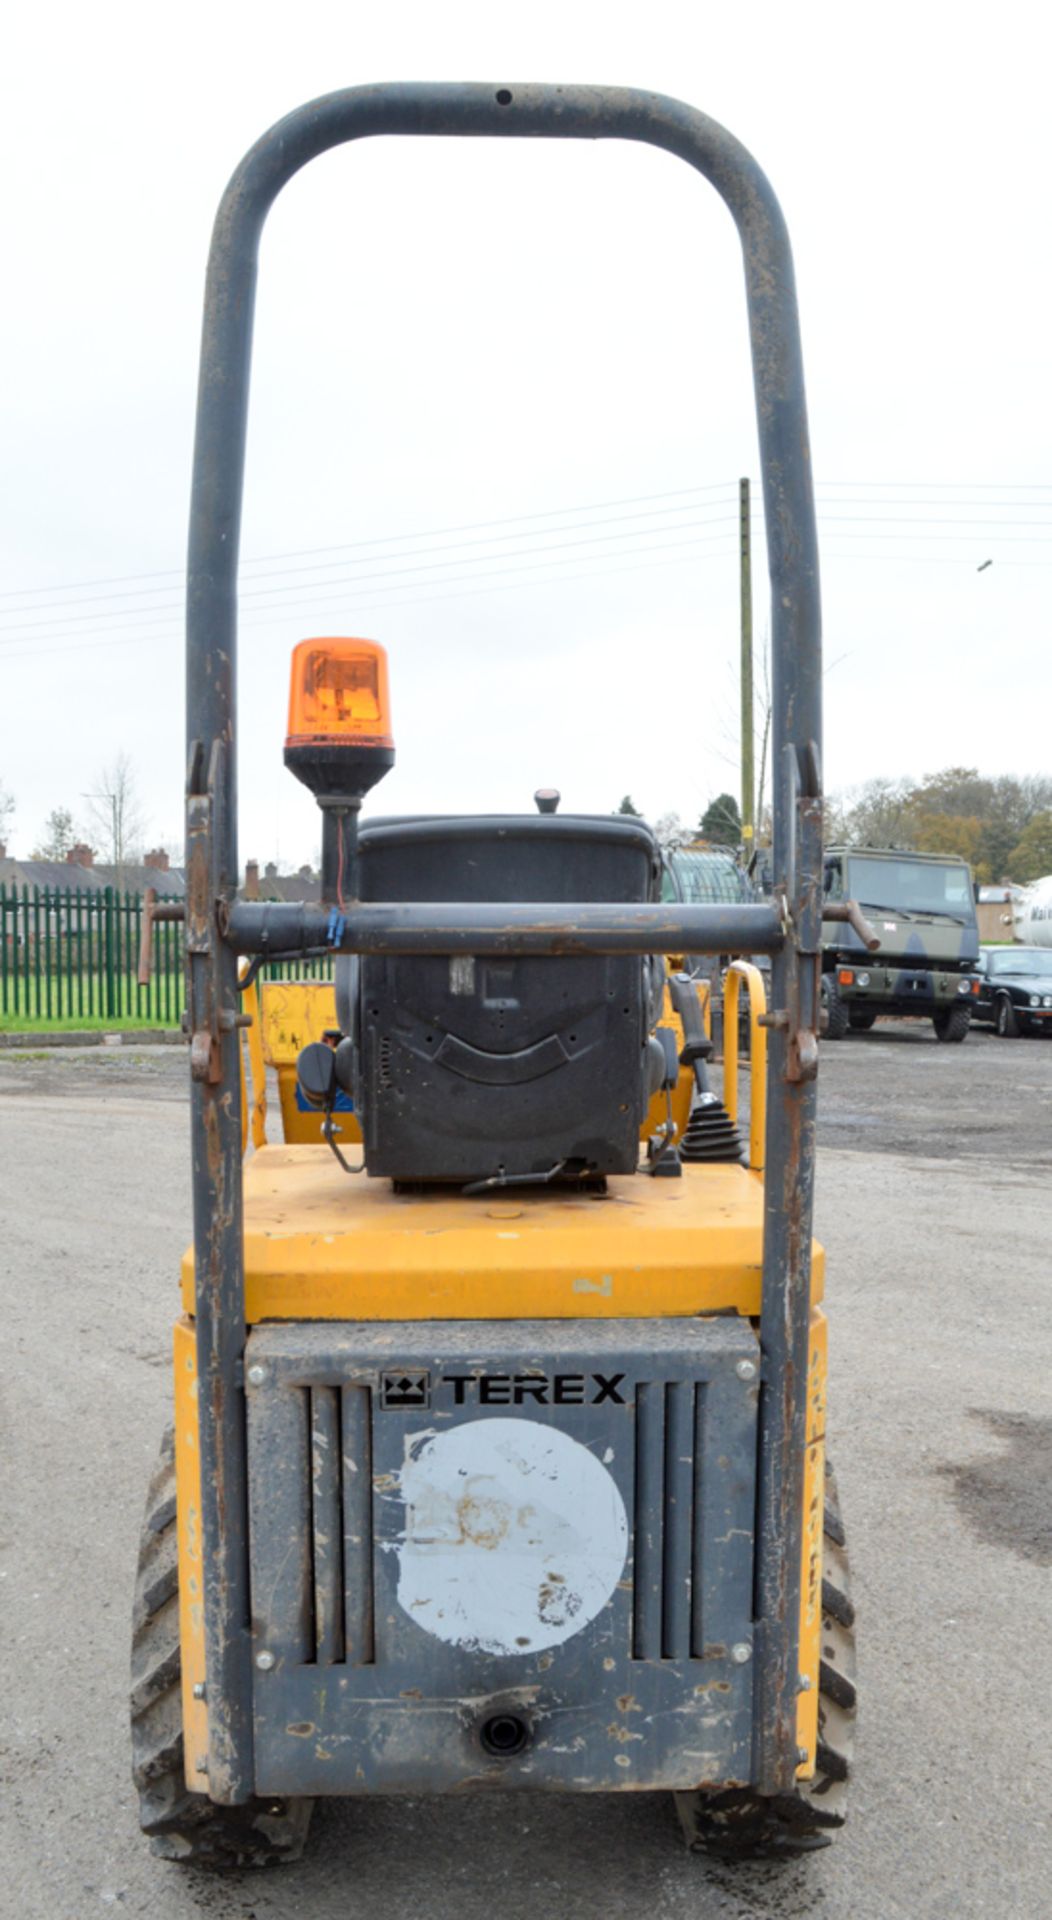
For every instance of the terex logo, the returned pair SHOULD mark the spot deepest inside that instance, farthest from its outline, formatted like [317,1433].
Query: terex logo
[514,1389]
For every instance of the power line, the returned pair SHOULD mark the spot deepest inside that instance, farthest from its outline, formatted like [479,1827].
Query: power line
[941,539]
[548,513]
[868,500]
[257,620]
[921,559]
[264,620]
[172,621]
[150,616]
[387,539]
[60,617]
[991,486]
[496,539]
[915,520]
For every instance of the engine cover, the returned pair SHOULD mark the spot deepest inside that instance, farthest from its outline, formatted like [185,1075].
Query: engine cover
[518,1551]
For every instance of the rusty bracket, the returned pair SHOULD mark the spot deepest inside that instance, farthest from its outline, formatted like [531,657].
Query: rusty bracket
[230,1022]
[151,912]
[802,1063]
[801,1047]
[202,893]
[798,899]
[780,902]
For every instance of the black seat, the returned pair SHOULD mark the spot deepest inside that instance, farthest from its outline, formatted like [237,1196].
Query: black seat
[482,1068]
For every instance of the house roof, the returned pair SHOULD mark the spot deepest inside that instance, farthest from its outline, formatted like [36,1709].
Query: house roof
[61,875]
[293,887]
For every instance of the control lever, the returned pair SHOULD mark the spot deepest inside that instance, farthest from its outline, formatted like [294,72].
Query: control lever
[850,911]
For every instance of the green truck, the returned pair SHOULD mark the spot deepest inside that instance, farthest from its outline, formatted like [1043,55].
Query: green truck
[922,908]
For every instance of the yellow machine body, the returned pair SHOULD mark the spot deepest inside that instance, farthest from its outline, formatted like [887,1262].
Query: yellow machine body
[318,1247]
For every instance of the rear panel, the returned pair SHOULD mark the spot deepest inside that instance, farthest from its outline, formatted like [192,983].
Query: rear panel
[549,1524]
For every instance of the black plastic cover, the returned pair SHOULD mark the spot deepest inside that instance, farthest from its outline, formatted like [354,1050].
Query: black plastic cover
[470,1068]
[316,1073]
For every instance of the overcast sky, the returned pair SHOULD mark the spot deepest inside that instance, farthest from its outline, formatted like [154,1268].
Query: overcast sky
[501,396]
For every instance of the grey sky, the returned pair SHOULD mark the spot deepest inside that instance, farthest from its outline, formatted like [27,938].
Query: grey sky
[452,335]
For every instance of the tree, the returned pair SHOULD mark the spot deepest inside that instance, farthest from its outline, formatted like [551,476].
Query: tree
[627,806]
[7,808]
[957,810]
[60,835]
[1012,806]
[951,833]
[115,811]
[956,790]
[878,814]
[671,834]
[1003,807]
[1032,858]
[721,821]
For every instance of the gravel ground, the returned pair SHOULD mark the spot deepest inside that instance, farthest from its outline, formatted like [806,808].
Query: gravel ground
[935,1205]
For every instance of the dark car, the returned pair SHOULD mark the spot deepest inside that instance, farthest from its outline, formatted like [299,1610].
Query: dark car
[1015,990]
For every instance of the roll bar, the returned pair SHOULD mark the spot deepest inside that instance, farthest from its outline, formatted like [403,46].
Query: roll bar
[218,929]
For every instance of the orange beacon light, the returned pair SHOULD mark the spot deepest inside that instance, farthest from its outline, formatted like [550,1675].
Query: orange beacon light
[339,740]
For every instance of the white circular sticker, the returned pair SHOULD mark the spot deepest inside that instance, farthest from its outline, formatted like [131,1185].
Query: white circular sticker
[515,1536]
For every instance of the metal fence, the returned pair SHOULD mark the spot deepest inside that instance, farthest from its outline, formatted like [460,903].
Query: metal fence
[72,953]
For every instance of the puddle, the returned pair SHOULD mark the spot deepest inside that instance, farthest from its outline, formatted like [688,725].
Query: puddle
[1006,1497]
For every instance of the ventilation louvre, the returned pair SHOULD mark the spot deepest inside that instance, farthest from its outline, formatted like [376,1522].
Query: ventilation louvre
[668,1546]
[313,1554]
[358,1568]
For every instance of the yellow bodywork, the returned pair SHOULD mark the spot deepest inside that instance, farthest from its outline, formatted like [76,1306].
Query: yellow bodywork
[290,1014]
[188,1528]
[811,1571]
[320,1246]
[742,973]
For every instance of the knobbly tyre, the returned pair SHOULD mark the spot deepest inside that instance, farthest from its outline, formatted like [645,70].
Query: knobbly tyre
[922,906]
[499,1404]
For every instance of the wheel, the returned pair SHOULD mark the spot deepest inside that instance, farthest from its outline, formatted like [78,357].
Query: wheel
[836,1012]
[860,1019]
[954,1022]
[741,1825]
[1006,1020]
[181,1825]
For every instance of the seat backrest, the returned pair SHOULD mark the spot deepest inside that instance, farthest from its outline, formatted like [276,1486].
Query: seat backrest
[468,1068]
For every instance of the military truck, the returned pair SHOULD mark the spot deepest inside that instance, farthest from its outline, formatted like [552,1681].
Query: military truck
[922,906]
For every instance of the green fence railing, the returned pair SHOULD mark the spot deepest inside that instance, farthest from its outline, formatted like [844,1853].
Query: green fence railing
[71,953]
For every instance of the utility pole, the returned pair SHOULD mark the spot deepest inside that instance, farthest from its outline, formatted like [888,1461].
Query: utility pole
[744,525]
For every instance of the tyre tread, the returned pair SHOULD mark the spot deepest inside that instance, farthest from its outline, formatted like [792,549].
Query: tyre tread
[837,1013]
[742,1825]
[180,1825]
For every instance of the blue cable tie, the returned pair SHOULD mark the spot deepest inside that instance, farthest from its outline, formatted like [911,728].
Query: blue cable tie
[336,929]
